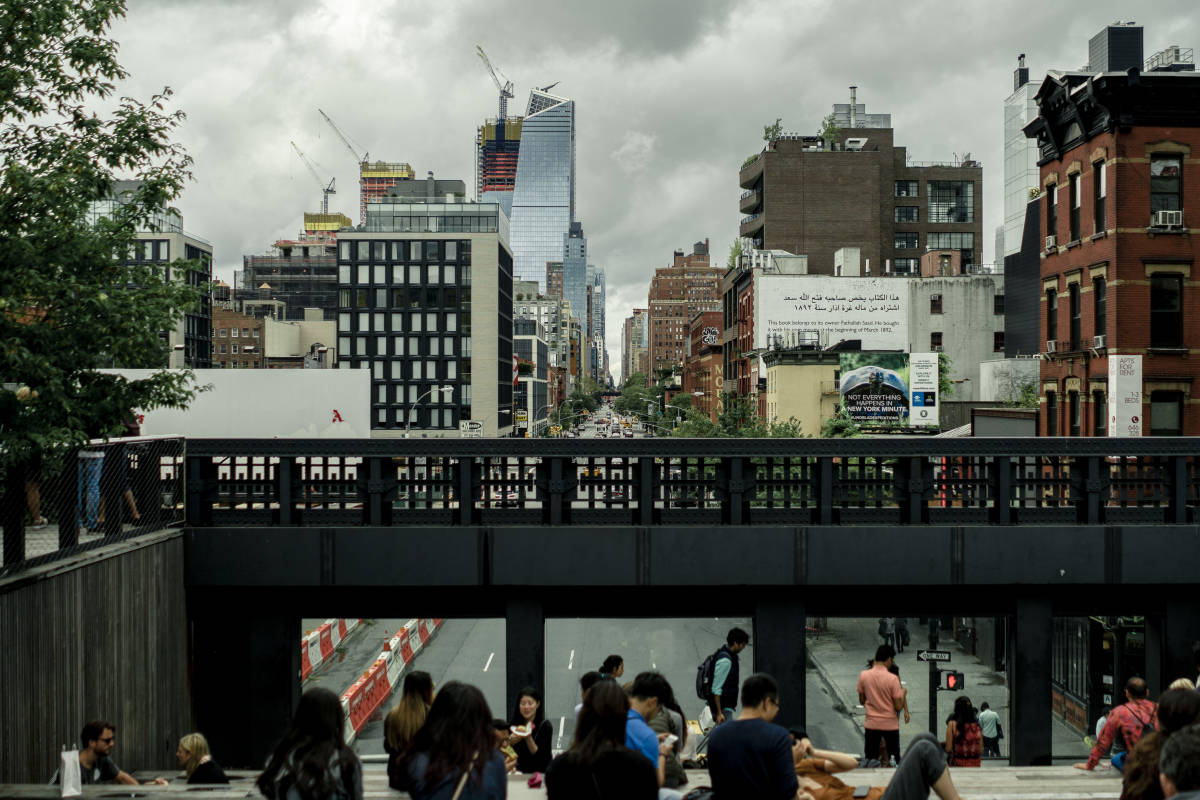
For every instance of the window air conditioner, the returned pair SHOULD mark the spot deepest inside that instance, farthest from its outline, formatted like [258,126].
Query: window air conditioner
[1167,219]
[1098,341]
[937,348]
[1051,241]
[1051,345]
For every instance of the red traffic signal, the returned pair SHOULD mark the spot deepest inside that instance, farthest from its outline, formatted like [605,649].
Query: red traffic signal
[952,680]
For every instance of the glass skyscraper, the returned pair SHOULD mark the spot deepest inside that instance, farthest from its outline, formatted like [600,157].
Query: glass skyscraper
[573,253]
[543,204]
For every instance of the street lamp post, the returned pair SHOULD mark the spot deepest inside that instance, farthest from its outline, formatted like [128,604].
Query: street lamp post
[415,403]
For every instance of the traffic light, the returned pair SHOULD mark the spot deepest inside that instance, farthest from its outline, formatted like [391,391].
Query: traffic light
[952,680]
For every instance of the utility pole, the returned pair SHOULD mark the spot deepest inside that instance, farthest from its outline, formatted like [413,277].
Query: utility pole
[935,678]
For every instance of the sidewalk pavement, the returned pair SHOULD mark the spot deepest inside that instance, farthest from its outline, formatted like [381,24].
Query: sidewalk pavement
[841,653]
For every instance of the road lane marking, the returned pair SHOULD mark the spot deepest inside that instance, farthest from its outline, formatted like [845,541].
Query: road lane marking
[489,662]
[562,722]
[571,662]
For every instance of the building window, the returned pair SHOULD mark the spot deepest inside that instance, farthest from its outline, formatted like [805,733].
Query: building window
[1100,305]
[906,188]
[998,342]
[998,304]
[1075,189]
[935,341]
[1166,311]
[1052,210]
[935,304]
[906,266]
[233,332]
[1099,413]
[962,242]
[235,349]
[906,214]
[1051,314]
[1051,414]
[1076,308]
[950,201]
[1165,187]
[1166,414]
[1073,413]
[1099,196]
[907,240]
[224,350]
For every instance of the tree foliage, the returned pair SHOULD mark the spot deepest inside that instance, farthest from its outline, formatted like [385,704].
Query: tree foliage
[772,132]
[840,426]
[69,304]
[829,129]
[735,252]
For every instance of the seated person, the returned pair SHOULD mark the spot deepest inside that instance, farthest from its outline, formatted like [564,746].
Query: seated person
[922,768]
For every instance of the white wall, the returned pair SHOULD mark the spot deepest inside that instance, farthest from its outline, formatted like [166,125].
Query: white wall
[268,403]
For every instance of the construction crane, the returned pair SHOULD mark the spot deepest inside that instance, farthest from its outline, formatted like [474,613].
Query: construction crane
[548,88]
[358,159]
[326,190]
[506,88]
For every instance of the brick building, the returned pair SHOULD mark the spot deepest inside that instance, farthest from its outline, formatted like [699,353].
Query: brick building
[703,369]
[237,340]
[1119,176]
[813,197]
[677,293]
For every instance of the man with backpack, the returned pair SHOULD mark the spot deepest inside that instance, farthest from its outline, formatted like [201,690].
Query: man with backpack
[717,679]
[1125,725]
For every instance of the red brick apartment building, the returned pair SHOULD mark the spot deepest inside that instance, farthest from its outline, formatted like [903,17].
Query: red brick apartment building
[677,293]
[703,375]
[1120,175]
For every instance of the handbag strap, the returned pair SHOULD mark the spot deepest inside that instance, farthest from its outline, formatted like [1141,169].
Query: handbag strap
[462,782]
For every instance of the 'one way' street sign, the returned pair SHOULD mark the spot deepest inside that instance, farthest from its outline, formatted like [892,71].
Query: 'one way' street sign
[933,655]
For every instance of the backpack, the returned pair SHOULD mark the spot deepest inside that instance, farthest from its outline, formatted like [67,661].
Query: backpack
[704,676]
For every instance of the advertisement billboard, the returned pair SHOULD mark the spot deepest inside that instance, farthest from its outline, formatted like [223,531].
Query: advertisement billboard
[1124,395]
[790,309]
[890,388]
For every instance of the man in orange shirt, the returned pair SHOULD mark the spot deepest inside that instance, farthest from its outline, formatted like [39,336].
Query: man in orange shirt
[882,696]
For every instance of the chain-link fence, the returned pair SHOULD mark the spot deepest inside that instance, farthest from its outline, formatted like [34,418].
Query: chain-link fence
[94,495]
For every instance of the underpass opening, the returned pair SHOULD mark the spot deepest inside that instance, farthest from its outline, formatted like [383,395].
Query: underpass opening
[365,661]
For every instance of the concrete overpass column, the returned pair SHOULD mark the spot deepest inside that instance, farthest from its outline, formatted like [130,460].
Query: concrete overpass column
[1180,631]
[780,651]
[525,648]
[1031,721]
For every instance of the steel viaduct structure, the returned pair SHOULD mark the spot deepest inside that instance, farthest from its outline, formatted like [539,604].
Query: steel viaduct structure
[777,529]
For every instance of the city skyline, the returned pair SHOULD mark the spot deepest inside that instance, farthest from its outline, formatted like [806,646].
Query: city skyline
[670,100]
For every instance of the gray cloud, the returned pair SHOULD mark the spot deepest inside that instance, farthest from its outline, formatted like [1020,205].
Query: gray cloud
[672,96]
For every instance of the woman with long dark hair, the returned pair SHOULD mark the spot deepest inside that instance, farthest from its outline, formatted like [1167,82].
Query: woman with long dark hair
[964,736]
[669,720]
[531,733]
[402,723]
[599,766]
[312,761]
[453,754]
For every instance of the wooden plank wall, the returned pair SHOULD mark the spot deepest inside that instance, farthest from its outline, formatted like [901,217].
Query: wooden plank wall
[104,637]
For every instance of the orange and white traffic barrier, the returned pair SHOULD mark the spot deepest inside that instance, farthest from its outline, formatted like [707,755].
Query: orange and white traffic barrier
[367,694]
[317,646]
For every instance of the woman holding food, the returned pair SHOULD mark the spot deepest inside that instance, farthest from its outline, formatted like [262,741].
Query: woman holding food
[530,733]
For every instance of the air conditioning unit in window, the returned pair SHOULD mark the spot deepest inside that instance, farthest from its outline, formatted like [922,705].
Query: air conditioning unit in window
[937,348]
[1051,241]
[1098,341]
[1051,345]
[1167,219]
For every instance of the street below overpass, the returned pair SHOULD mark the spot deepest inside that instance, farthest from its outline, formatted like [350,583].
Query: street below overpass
[473,651]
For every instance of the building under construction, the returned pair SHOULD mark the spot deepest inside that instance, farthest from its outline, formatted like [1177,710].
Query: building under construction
[376,180]
[297,273]
[497,145]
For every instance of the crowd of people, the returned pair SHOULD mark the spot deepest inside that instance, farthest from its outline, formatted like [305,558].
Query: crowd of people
[443,743]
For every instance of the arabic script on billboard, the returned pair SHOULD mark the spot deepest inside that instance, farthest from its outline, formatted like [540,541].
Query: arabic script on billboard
[791,309]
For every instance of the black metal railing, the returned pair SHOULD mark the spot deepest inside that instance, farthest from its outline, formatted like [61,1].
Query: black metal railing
[87,497]
[909,481]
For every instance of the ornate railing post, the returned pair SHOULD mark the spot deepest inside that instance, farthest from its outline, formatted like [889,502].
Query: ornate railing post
[201,483]
[1177,485]
[1088,485]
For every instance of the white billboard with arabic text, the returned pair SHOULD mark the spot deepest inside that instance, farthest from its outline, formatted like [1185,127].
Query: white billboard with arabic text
[790,309]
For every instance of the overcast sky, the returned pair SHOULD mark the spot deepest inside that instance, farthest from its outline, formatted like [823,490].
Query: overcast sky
[671,97]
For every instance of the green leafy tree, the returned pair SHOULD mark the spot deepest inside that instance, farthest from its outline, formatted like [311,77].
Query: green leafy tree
[945,386]
[65,309]
[829,129]
[840,426]
[696,425]
[772,132]
[735,252]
